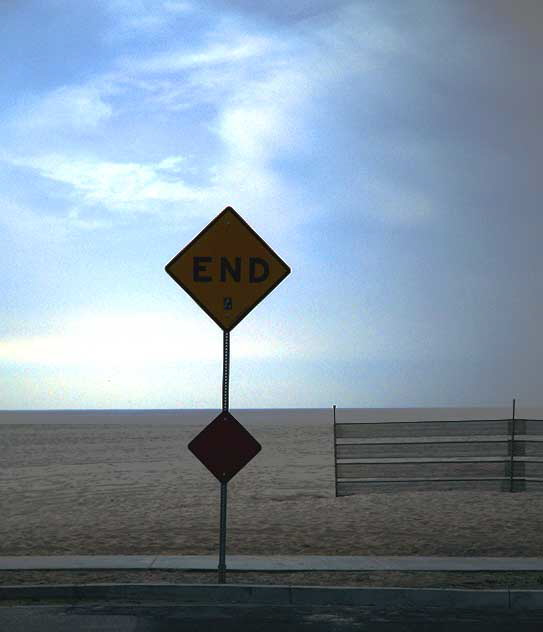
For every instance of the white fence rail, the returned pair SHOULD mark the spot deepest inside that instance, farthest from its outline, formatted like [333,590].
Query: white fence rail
[478,454]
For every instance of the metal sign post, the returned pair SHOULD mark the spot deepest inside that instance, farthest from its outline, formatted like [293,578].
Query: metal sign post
[512,461]
[224,489]
[222,536]
[227,269]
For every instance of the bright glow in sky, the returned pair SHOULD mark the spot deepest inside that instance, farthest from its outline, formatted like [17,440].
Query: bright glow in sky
[389,152]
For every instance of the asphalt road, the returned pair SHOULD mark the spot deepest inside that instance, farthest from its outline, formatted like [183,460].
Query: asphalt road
[236,618]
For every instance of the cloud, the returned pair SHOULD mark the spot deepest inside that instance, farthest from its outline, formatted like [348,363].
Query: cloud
[118,186]
[142,18]
[244,47]
[131,340]
[264,118]
[259,87]
[255,96]
[34,226]
[72,108]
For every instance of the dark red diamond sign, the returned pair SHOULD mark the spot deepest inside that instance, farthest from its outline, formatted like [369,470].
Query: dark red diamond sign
[224,447]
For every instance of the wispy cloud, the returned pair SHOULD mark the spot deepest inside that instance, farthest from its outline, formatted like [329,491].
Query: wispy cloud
[260,91]
[68,108]
[142,18]
[243,48]
[117,186]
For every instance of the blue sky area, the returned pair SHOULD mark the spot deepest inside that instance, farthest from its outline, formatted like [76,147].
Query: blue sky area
[389,152]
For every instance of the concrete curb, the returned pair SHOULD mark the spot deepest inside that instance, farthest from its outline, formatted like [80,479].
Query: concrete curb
[408,598]
[277,563]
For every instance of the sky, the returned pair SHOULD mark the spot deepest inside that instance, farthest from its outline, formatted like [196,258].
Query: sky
[389,152]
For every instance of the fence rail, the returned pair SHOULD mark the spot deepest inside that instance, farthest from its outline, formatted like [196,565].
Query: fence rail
[475,454]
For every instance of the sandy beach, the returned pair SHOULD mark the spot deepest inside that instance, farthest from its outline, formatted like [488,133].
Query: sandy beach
[134,489]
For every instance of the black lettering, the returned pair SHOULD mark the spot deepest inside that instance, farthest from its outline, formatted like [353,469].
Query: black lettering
[198,267]
[253,262]
[235,273]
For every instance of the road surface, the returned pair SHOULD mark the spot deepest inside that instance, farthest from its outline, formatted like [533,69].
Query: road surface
[245,618]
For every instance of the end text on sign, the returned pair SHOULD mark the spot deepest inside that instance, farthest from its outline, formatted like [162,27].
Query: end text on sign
[208,269]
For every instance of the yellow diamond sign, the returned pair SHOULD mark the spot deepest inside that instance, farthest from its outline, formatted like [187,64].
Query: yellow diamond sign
[227,269]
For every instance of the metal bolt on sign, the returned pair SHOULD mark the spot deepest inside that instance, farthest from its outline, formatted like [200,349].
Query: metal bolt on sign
[227,269]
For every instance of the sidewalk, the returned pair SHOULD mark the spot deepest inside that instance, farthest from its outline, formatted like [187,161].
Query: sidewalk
[279,563]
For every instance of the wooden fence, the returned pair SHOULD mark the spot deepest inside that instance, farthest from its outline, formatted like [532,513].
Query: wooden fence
[479,454]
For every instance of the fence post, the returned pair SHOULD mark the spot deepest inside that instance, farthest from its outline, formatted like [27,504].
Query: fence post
[511,482]
[335,452]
